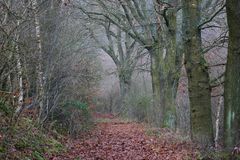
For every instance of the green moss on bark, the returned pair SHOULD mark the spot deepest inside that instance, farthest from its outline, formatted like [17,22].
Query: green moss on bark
[232,77]
[199,89]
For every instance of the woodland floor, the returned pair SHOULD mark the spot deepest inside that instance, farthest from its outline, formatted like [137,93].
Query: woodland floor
[114,139]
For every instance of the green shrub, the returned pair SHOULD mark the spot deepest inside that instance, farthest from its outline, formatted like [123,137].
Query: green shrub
[75,105]
[75,117]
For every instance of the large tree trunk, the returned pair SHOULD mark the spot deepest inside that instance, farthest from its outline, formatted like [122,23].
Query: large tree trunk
[124,88]
[164,66]
[170,64]
[125,85]
[232,77]
[158,107]
[199,88]
[162,91]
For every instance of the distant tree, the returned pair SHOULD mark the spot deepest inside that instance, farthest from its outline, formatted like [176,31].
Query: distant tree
[156,32]
[123,50]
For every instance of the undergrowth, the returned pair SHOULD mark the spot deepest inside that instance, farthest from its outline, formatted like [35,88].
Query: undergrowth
[74,118]
[24,140]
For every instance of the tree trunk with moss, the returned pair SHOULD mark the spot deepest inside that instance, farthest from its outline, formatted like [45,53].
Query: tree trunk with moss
[125,76]
[163,80]
[170,65]
[164,69]
[157,109]
[232,77]
[199,89]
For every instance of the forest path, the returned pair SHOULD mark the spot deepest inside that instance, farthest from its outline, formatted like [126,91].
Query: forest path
[119,140]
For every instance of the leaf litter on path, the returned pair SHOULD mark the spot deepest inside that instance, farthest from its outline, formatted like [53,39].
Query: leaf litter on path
[116,140]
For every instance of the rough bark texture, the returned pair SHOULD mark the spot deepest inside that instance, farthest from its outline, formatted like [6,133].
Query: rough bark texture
[124,86]
[164,68]
[170,65]
[158,108]
[232,79]
[199,89]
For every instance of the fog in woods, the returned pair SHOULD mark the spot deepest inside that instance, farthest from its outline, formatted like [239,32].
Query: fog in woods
[119,79]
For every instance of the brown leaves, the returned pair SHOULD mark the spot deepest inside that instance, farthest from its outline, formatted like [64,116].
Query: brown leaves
[125,141]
